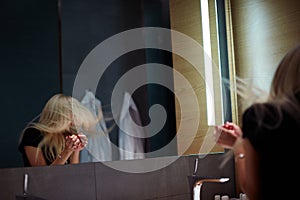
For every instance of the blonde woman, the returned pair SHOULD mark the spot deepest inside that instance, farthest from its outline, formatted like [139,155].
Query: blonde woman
[54,139]
[265,147]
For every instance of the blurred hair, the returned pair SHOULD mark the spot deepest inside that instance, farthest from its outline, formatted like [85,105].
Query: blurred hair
[284,93]
[59,117]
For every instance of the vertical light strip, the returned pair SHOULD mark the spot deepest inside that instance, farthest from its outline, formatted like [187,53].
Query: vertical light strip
[210,99]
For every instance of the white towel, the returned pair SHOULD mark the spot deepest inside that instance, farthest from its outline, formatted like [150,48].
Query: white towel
[99,145]
[131,132]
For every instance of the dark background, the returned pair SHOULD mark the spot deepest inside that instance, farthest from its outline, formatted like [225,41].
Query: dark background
[43,46]
[29,68]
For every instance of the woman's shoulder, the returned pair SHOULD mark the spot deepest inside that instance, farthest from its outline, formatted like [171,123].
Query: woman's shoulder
[32,131]
[31,137]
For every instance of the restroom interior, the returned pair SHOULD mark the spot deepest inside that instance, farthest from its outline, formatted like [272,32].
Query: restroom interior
[42,48]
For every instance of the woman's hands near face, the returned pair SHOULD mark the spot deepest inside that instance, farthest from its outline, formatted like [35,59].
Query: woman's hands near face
[76,142]
[227,134]
[83,141]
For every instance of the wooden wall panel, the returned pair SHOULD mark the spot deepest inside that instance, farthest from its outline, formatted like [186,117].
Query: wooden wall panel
[263,31]
[185,17]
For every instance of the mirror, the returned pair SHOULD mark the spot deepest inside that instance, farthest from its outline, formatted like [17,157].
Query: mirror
[68,36]
[204,22]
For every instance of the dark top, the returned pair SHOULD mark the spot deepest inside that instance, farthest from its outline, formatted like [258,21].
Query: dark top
[31,137]
[276,144]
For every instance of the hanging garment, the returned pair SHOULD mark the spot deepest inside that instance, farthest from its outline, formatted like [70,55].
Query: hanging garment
[99,145]
[131,133]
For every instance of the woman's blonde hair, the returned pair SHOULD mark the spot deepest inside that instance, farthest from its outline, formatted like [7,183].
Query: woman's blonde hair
[286,81]
[284,93]
[61,114]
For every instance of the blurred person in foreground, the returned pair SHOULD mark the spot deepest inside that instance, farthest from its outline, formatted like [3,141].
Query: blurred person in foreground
[265,144]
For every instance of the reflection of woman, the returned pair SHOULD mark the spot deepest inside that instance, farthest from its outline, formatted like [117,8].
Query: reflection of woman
[265,145]
[53,140]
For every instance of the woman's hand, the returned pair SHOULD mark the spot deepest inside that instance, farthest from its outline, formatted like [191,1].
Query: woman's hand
[227,134]
[83,141]
[76,142]
[73,144]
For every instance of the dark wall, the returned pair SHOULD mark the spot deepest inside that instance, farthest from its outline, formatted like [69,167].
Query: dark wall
[87,23]
[156,14]
[29,68]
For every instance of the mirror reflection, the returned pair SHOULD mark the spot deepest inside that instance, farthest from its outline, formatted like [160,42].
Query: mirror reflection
[86,49]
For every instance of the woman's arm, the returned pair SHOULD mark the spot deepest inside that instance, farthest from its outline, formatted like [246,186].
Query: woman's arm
[73,145]
[81,142]
[245,156]
[35,156]
[74,157]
